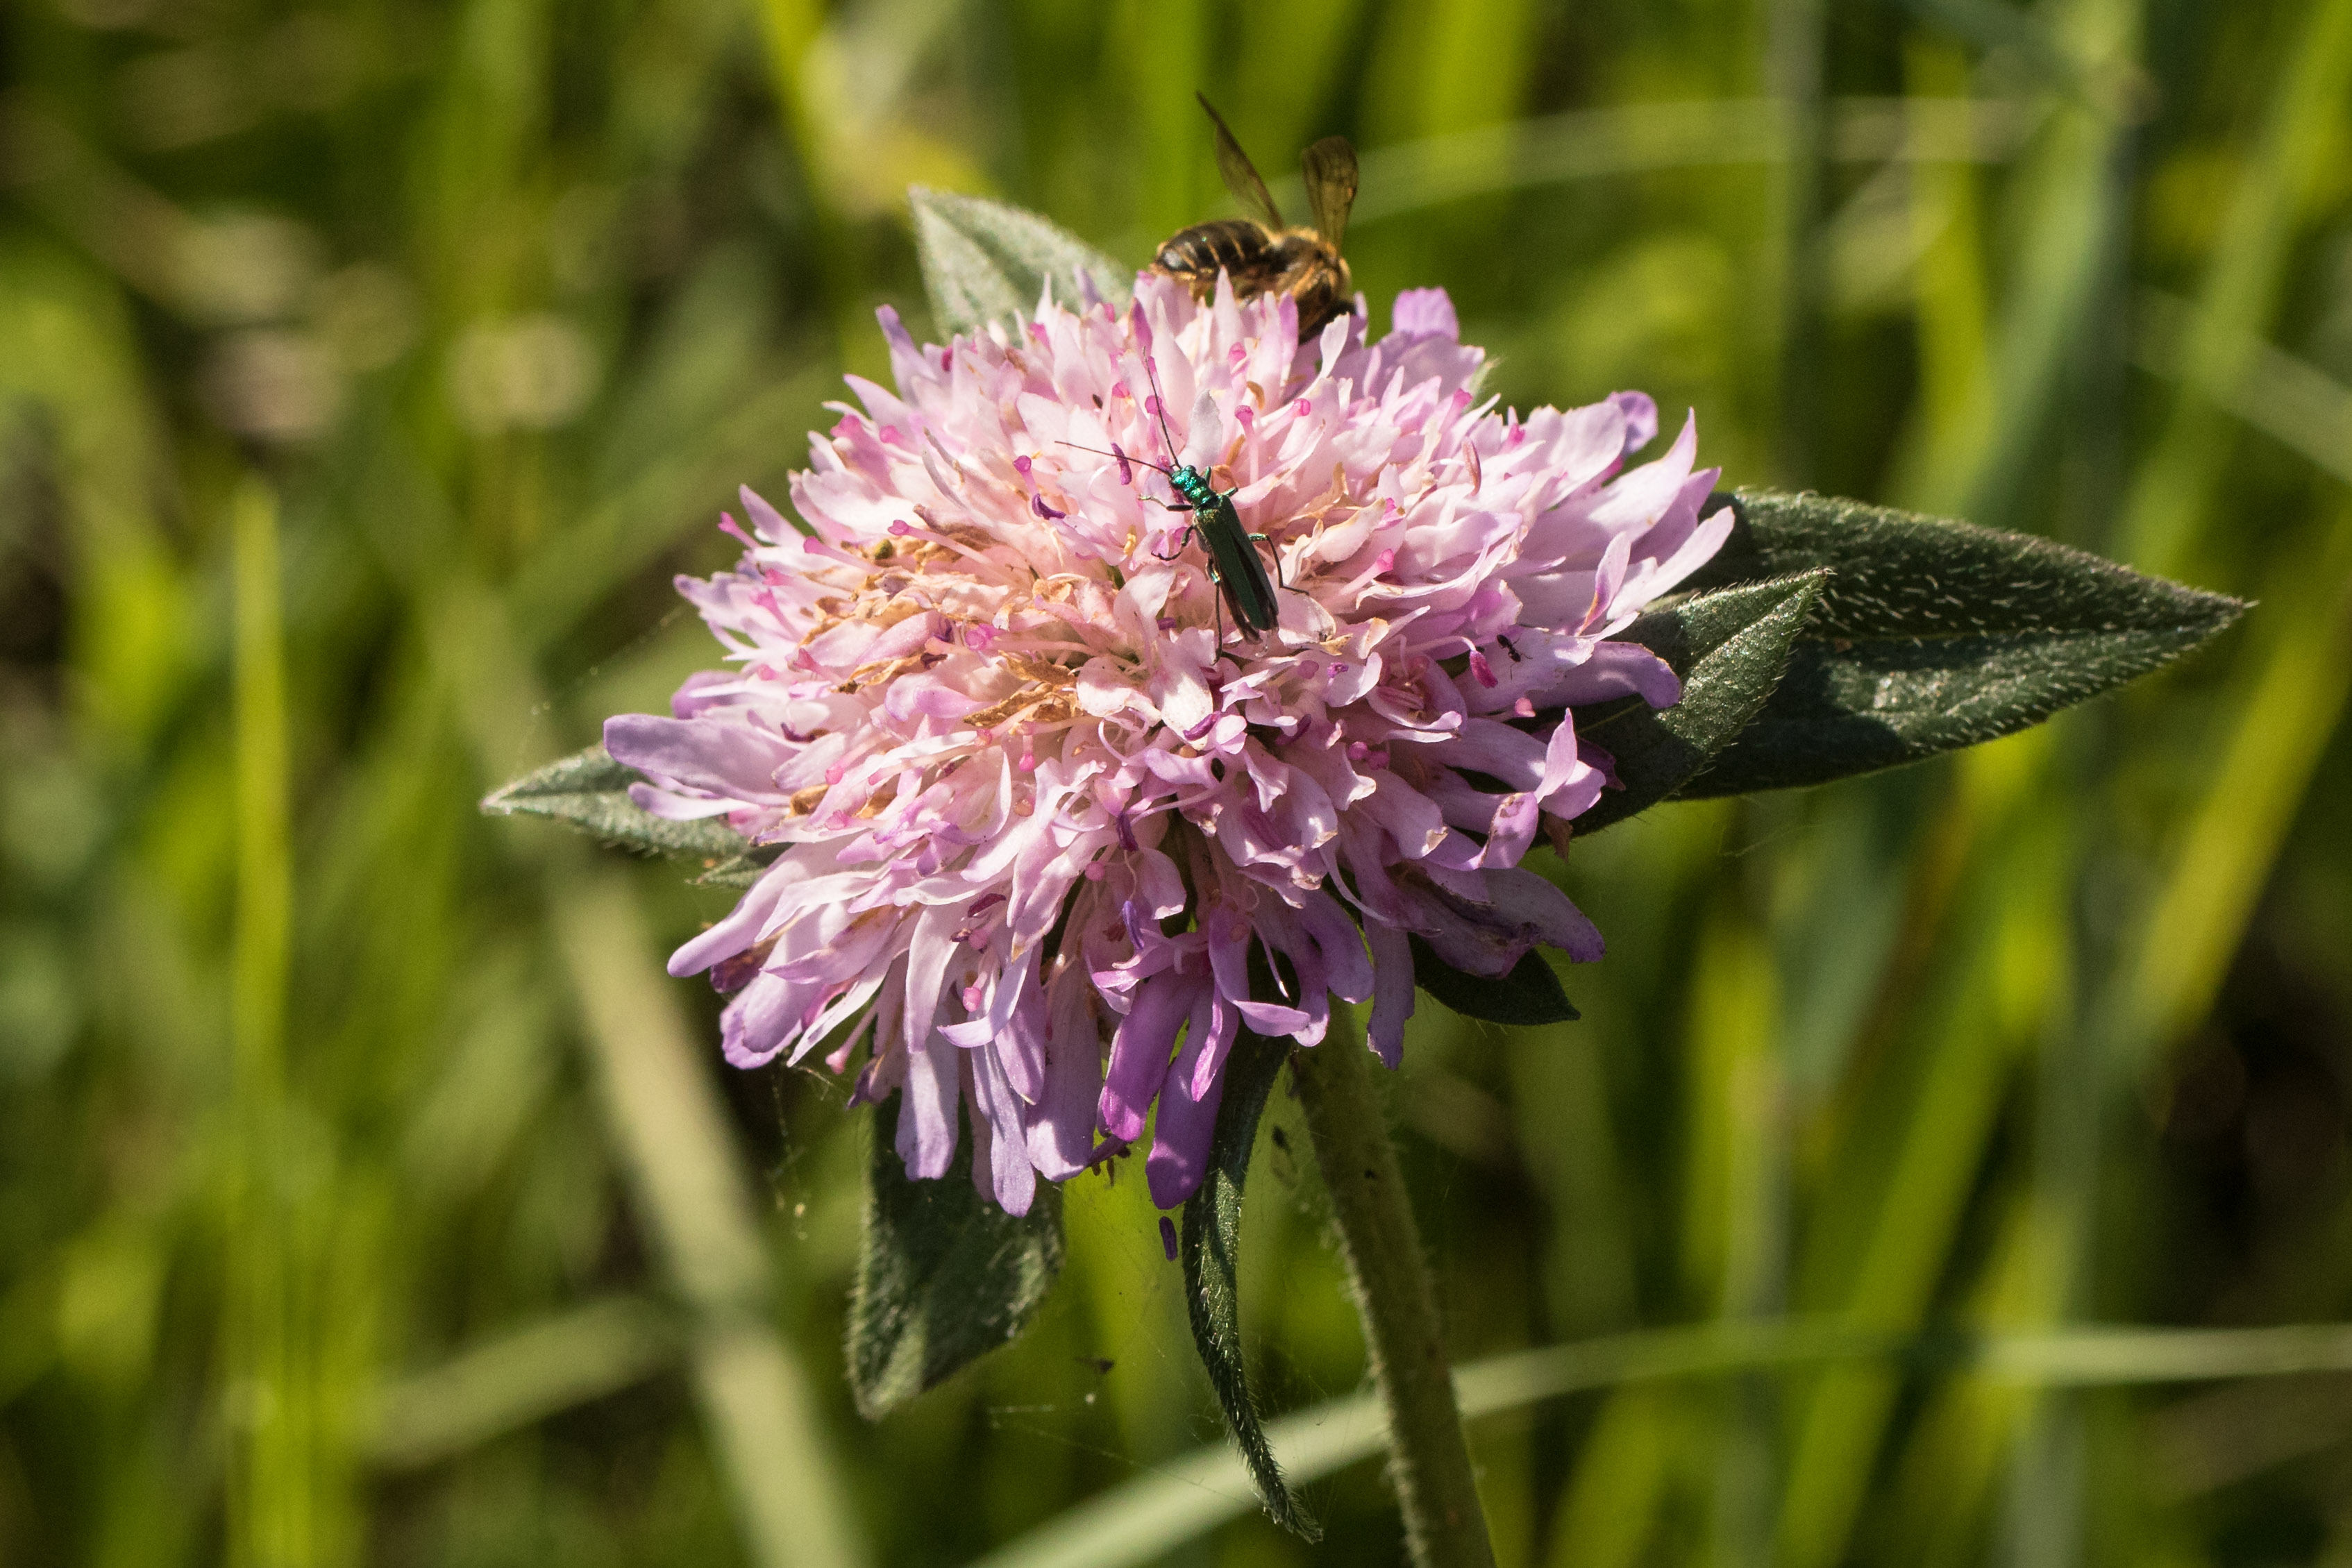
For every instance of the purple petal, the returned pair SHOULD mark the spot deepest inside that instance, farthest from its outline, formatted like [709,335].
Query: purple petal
[1616,670]
[927,1108]
[1062,1123]
[1188,1113]
[1392,998]
[1425,313]
[1007,1174]
[739,929]
[1641,412]
[1138,1050]
[720,756]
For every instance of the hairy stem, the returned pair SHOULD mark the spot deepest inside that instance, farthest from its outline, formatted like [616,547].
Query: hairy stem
[1429,1462]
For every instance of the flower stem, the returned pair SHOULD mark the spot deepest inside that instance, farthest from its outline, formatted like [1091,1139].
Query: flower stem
[1429,1462]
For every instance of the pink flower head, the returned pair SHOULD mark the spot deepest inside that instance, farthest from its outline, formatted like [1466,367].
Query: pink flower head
[1046,847]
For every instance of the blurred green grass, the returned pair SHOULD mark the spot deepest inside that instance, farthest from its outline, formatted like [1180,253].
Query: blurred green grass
[366,371]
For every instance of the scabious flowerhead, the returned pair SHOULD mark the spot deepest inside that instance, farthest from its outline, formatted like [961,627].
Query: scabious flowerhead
[1045,846]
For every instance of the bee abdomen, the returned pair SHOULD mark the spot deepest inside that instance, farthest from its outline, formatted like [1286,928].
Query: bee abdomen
[1237,247]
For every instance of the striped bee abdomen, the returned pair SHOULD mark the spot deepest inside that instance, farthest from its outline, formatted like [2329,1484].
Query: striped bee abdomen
[1235,245]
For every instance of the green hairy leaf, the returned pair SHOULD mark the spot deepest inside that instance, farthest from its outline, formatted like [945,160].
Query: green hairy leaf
[1528,995]
[1212,1255]
[590,791]
[944,1276]
[1731,648]
[983,261]
[1932,635]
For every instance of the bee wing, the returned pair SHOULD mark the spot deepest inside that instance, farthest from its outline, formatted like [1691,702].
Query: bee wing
[1241,176]
[1330,169]
[1201,434]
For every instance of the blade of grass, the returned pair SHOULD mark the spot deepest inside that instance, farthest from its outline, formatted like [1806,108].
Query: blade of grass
[685,1169]
[1164,43]
[2048,1497]
[1969,457]
[1793,68]
[272,1509]
[2071,225]
[2049,1485]
[1141,1520]
[2067,214]
[2290,400]
[1986,1012]
[2174,488]
[2288,698]
[1622,1476]
[1287,68]
[1739,1160]
[639,519]
[2294,693]
[1954,407]
[1410,177]
[521,1376]
[2113,87]
[1950,1471]
[28,1315]
[789,29]
[67,347]
[1444,68]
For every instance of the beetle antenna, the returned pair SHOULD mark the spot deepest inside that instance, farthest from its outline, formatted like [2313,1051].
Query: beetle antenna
[1129,457]
[1160,398]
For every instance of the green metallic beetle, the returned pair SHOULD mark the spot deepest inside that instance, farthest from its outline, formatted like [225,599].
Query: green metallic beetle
[1235,565]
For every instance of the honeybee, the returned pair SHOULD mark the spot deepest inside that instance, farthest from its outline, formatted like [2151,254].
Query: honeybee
[1260,254]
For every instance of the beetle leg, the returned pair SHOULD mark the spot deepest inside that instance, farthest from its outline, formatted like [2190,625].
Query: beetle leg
[1280,581]
[1180,543]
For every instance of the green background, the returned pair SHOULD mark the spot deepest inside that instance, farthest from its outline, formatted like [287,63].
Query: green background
[366,372]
